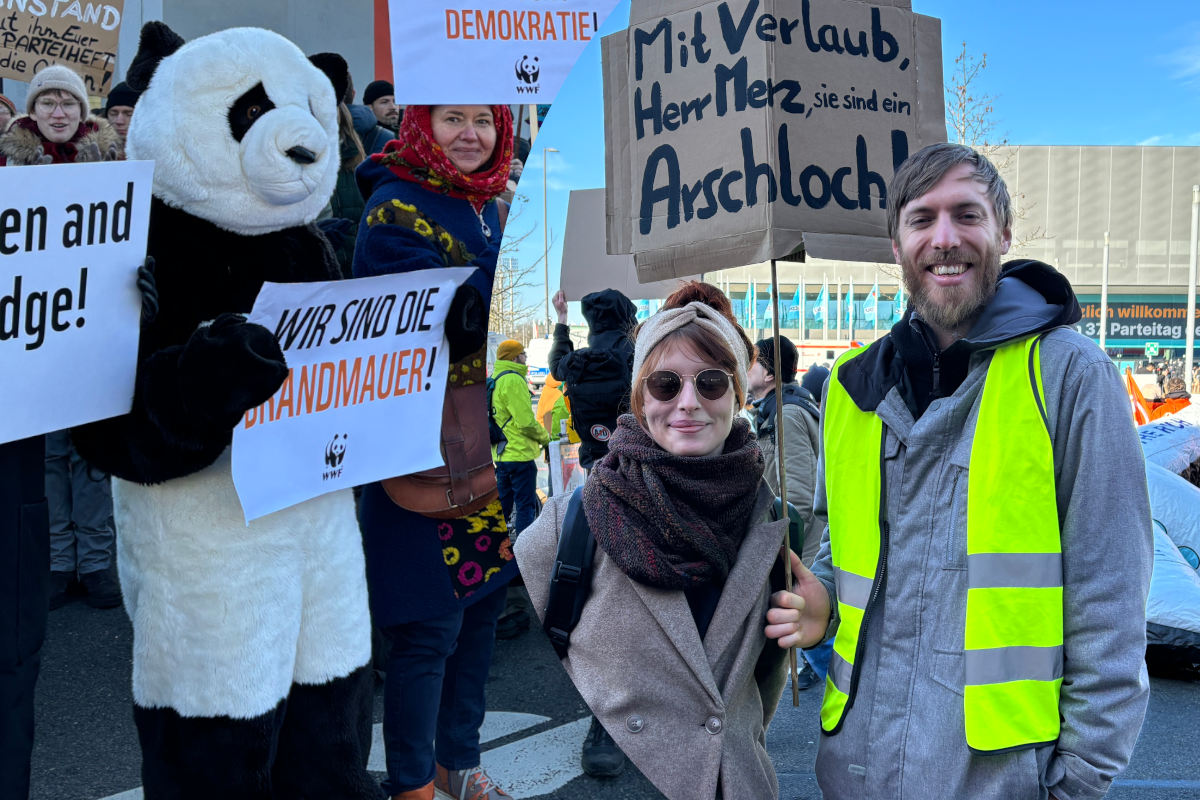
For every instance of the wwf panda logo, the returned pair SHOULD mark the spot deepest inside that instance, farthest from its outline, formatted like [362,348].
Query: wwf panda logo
[600,433]
[335,451]
[528,70]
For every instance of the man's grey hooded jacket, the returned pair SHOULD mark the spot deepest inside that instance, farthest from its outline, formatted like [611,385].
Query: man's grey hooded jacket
[903,736]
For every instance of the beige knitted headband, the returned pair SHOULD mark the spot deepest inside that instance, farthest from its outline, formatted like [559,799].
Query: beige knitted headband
[665,322]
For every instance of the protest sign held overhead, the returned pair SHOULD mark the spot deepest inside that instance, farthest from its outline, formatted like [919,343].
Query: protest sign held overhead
[367,371]
[72,238]
[488,51]
[738,131]
[82,35]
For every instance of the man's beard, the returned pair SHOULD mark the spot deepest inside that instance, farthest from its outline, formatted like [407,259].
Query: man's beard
[949,307]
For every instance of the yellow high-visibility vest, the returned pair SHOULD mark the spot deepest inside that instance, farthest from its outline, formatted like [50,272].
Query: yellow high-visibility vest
[1013,646]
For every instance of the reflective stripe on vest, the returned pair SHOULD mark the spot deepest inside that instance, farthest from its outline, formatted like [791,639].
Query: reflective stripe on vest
[1013,656]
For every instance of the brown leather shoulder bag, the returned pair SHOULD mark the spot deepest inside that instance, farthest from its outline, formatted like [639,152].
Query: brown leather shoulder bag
[467,483]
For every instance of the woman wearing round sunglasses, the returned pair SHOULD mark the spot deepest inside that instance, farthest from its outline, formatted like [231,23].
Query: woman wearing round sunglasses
[670,652]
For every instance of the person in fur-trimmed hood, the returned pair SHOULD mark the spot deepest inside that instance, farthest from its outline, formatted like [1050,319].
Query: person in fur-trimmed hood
[56,130]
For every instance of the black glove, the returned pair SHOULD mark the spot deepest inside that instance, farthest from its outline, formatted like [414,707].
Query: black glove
[466,326]
[149,289]
[335,230]
[229,367]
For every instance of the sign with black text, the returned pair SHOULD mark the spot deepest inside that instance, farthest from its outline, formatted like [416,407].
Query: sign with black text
[488,51]
[738,131]
[82,35]
[72,237]
[363,397]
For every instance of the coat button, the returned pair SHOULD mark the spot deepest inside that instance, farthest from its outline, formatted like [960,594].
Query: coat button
[713,725]
[635,723]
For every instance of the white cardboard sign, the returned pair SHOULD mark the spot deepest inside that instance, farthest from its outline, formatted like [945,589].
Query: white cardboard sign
[363,398]
[488,51]
[72,237]
[738,130]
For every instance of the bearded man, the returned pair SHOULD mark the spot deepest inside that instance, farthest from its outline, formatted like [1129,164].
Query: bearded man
[989,546]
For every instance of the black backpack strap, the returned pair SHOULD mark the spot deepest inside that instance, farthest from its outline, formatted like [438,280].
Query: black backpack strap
[571,579]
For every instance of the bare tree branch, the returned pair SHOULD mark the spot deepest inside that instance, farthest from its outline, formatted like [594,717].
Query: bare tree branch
[970,118]
[512,313]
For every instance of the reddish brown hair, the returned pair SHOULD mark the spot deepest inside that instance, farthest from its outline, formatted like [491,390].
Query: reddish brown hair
[696,338]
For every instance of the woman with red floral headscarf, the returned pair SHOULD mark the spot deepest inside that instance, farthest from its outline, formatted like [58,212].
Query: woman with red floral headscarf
[437,586]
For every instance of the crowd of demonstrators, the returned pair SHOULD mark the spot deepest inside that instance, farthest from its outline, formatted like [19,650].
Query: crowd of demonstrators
[57,129]
[8,112]
[436,586]
[924,467]
[597,377]
[687,557]
[801,416]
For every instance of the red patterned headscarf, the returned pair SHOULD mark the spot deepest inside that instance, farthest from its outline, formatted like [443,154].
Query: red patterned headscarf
[416,156]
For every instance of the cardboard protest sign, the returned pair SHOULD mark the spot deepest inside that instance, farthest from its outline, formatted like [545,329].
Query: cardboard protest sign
[363,397]
[72,237]
[35,34]
[488,51]
[737,131]
[586,265]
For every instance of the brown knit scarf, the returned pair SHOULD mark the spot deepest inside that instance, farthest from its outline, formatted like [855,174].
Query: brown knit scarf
[669,521]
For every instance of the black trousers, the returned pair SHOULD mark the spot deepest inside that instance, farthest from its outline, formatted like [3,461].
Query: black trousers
[24,599]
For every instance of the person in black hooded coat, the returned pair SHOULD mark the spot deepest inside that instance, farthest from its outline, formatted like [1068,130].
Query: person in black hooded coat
[597,377]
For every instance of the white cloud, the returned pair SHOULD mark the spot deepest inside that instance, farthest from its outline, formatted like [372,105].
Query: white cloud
[1153,140]
[1185,60]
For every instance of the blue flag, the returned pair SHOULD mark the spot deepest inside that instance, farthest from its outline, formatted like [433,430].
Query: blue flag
[822,303]
[871,304]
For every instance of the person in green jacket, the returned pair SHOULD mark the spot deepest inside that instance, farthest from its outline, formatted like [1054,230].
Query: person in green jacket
[512,407]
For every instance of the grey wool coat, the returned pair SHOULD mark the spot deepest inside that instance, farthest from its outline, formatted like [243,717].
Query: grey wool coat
[636,656]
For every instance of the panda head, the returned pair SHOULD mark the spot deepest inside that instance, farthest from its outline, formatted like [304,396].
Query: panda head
[241,126]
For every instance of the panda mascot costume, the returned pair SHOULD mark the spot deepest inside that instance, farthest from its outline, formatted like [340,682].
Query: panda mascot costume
[251,642]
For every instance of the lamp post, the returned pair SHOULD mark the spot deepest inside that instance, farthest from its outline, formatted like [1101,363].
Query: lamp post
[546,235]
[1191,300]
[1104,295]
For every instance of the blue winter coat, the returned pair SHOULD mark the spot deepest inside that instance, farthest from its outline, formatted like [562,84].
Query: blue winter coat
[412,563]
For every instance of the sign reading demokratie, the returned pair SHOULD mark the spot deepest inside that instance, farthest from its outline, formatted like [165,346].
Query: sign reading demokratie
[737,131]
[72,237]
[488,51]
[363,397]
[35,34]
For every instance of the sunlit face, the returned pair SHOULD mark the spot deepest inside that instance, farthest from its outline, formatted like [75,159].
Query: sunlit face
[120,117]
[386,110]
[6,116]
[950,244]
[688,425]
[467,134]
[57,115]
[759,380]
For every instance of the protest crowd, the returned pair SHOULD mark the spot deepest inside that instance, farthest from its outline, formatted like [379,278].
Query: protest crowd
[940,567]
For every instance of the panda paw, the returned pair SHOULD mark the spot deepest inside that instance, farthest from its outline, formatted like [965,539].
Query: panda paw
[229,367]
[466,325]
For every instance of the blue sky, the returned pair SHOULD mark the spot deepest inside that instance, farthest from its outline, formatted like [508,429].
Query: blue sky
[1064,73]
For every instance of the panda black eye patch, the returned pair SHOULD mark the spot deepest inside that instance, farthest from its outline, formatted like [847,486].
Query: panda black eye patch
[248,109]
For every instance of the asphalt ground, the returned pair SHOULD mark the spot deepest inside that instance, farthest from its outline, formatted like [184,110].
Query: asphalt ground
[86,746]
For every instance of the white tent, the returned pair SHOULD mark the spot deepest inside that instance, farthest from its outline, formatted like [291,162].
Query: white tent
[1173,441]
[1173,608]
[1176,504]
